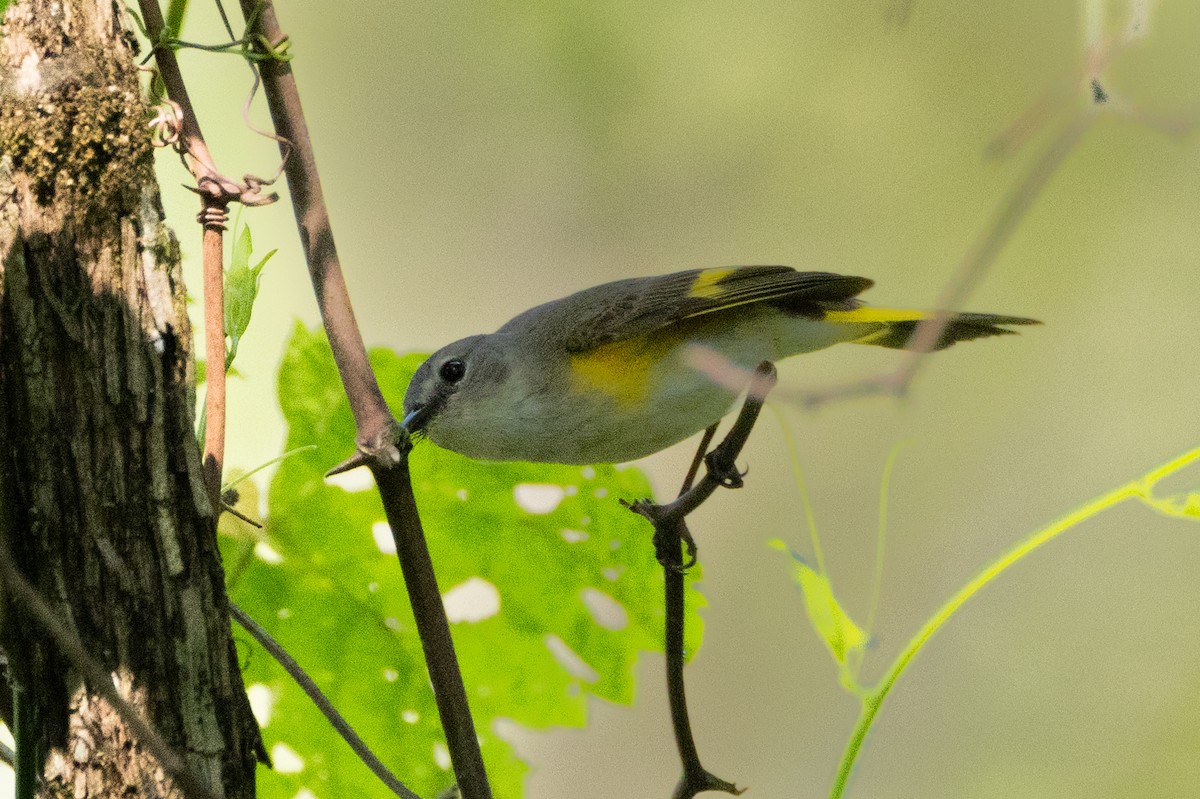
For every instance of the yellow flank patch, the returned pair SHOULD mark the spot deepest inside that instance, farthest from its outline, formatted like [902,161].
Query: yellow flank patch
[868,314]
[622,369]
[705,285]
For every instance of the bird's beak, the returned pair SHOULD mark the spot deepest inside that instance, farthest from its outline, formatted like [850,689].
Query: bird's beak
[418,417]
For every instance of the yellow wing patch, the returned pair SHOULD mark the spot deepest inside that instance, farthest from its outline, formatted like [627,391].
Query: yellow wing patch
[705,286]
[867,315]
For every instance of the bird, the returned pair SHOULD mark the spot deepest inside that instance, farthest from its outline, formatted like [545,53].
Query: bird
[604,375]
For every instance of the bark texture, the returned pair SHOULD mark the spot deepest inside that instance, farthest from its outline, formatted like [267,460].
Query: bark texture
[101,484]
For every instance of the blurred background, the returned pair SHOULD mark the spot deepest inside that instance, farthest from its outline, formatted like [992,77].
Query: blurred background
[481,158]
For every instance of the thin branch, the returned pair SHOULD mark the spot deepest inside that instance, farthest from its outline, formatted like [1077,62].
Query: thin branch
[722,472]
[99,680]
[966,277]
[376,429]
[701,450]
[674,626]
[694,776]
[210,182]
[322,702]
[670,534]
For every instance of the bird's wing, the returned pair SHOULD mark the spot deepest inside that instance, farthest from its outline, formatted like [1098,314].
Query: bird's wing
[638,306]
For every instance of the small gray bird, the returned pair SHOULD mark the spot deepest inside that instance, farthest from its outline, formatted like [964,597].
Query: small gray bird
[603,376]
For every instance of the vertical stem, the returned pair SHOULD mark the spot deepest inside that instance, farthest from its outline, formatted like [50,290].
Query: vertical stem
[675,618]
[673,531]
[214,344]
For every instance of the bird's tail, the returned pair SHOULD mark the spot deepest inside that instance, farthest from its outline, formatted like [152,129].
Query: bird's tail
[894,328]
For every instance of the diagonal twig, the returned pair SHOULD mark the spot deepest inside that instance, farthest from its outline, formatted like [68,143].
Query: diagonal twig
[1088,83]
[322,702]
[101,682]
[966,277]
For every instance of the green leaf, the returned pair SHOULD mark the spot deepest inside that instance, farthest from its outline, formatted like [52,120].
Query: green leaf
[844,639]
[202,372]
[241,289]
[176,11]
[578,589]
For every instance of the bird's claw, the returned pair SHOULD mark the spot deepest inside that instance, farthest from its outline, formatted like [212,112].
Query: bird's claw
[724,471]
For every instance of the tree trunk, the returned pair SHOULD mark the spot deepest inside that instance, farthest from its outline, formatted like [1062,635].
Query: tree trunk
[101,486]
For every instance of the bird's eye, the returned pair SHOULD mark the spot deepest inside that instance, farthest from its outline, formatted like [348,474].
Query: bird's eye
[453,370]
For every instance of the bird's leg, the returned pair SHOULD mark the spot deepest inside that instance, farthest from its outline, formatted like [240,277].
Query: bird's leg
[662,543]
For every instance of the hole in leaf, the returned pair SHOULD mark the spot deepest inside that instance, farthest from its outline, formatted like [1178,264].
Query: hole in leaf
[286,760]
[607,612]
[472,600]
[262,703]
[441,756]
[353,480]
[538,498]
[576,666]
[267,554]
[382,532]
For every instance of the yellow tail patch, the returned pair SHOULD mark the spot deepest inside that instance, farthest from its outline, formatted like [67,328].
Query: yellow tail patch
[868,314]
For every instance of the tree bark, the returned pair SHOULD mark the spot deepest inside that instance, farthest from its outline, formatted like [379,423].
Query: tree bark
[101,485]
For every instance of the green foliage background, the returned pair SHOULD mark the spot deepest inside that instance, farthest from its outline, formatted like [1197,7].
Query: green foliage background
[480,159]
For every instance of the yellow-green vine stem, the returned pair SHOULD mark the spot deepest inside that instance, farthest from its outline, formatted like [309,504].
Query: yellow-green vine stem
[1142,489]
